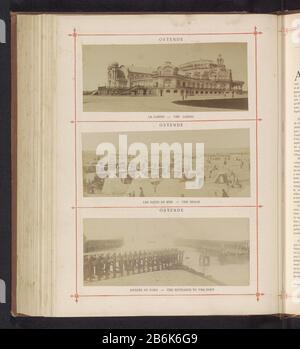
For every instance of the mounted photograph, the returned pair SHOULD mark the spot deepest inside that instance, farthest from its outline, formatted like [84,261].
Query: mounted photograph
[191,77]
[186,163]
[166,252]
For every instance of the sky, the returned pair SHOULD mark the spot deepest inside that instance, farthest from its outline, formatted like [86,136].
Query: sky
[164,229]
[212,139]
[96,58]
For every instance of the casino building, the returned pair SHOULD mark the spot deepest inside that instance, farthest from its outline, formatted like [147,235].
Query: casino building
[201,77]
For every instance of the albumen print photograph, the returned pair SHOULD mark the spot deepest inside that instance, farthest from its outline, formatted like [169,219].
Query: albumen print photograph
[166,252]
[192,77]
[186,163]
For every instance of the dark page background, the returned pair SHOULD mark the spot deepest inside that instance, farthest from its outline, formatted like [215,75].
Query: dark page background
[6,320]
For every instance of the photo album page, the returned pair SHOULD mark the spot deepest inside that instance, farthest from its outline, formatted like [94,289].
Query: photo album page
[167,165]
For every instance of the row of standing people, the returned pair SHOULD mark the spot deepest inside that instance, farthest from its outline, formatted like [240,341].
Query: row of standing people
[112,265]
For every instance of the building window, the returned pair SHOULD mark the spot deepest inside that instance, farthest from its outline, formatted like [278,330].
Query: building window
[168,72]
[175,91]
[168,91]
[167,83]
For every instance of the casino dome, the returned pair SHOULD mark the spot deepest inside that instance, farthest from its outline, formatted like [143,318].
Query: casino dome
[114,64]
[167,69]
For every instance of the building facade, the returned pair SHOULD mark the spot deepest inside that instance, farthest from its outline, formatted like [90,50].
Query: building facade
[201,77]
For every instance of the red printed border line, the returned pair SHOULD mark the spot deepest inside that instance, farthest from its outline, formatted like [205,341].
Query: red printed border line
[165,121]
[170,206]
[257,206]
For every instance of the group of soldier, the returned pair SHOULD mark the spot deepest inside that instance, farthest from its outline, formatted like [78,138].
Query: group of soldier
[111,265]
